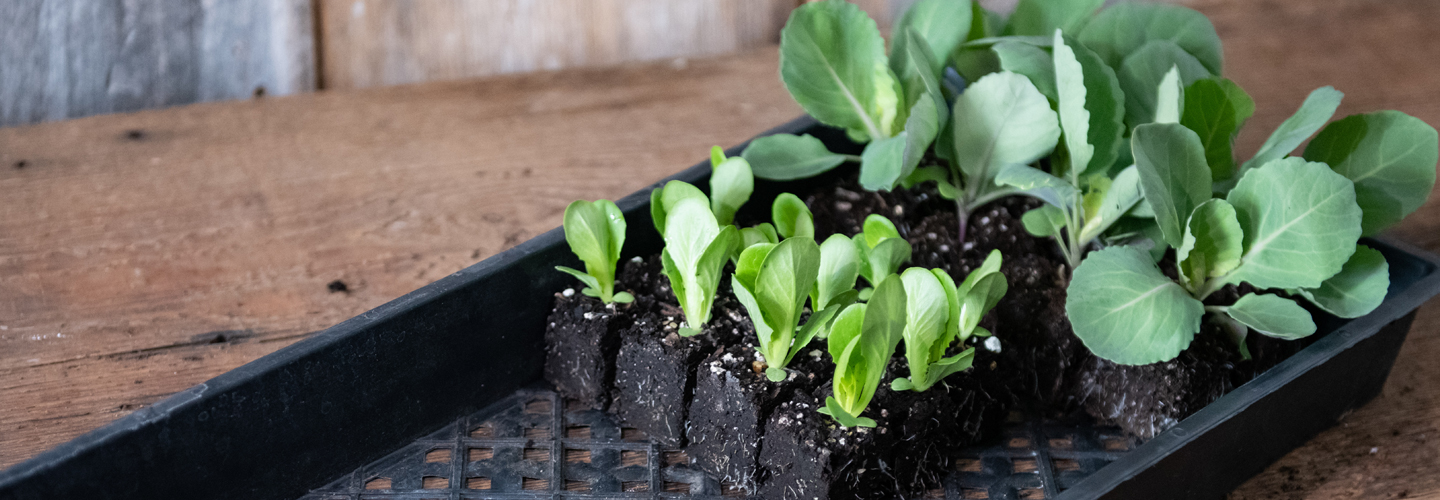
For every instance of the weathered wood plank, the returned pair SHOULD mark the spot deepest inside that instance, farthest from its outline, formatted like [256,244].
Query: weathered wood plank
[370,43]
[68,58]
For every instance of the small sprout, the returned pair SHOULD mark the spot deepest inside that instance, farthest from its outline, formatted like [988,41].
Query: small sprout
[792,217]
[938,313]
[861,341]
[880,248]
[731,183]
[595,231]
[696,248]
[772,281]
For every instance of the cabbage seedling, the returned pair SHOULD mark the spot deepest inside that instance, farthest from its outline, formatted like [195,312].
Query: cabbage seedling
[938,313]
[861,341]
[595,231]
[696,248]
[880,248]
[772,281]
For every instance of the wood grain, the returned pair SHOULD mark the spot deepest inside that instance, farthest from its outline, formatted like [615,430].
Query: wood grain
[64,58]
[369,43]
[122,259]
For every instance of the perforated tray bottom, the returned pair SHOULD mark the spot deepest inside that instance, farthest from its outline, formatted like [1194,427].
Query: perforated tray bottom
[531,446]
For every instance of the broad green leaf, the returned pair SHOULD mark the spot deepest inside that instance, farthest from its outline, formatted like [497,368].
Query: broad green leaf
[861,341]
[792,217]
[833,62]
[927,314]
[595,231]
[1144,71]
[876,228]
[942,24]
[731,183]
[1273,316]
[1173,175]
[1389,155]
[1170,98]
[881,249]
[1031,61]
[1358,289]
[667,196]
[1210,112]
[761,233]
[839,268]
[1317,109]
[1039,184]
[780,288]
[1243,104]
[689,229]
[786,157]
[912,63]
[1043,17]
[880,164]
[1002,120]
[1124,28]
[1106,104]
[1300,221]
[1117,200]
[1126,311]
[921,129]
[1045,221]
[888,304]
[1070,90]
[1213,243]
[979,293]
[696,248]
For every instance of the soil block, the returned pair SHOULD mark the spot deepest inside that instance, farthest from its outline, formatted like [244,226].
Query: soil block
[733,398]
[1146,400]
[581,341]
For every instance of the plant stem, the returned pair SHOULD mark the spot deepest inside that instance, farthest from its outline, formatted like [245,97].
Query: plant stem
[962,213]
[1217,309]
[854,158]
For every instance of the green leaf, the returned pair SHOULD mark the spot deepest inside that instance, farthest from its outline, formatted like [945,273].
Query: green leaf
[1045,221]
[1043,17]
[832,60]
[1126,311]
[881,249]
[588,280]
[1169,98]
[1039,184]
[1144,71]
[1002,120]
[1118,199]
[1317,109]
[880,164]
[839,268]
[792,217]
[927,315]
[1173,175]
[942,24]
[979,293]
[775,293]
[1389,155]
[1105,103]
[912,62]
[1031,61]
[667,196]
[1300,221]
[1210,112]
[833,409]
[1074,118]
[1241,101]
[730,186]
[1124,28]
[950,366]
[717,156]
[760,233]
[595,231]
[786,157]
[1273,316]
[1358,289]
[1213,243]
[862,338]
[696,248]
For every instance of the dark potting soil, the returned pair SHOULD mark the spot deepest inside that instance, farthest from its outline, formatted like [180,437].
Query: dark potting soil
[581,341]
[733,398]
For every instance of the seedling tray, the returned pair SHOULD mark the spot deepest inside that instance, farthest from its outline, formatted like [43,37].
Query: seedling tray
[411,375]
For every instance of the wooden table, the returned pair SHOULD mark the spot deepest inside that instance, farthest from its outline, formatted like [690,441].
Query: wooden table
[144,253]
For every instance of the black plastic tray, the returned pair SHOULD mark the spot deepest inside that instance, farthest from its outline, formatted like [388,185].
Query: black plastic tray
[297,419]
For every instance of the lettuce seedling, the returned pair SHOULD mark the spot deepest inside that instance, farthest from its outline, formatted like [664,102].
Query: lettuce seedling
[731,183]
[1288,224]
[880,248]
[595,231]
[696,249]
[792,218]
[839,268]
[772,282]
[862,339]
[938,313]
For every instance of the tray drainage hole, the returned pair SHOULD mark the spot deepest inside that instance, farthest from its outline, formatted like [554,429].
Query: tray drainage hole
[632,434]
[633,486]
[1066,465]
[536,454]
[573,455]
[629,458]
[1032,494]
[477,483]
[576,405]
[478,454]
[537,406]
[530,483]
[379,483]
[434,483]
[484,431]
[732,490]
[676,458]
[968,465]
[934,494]
[573,485]
[439,456]
[1061,444]
[1026,466]
[1018,442]
[1116,444]
[577,432]
[674,487]
[971,493]
[537,433]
